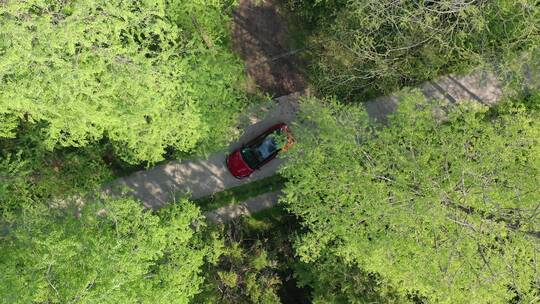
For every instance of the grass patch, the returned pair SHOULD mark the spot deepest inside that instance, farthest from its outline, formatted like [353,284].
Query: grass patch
[266,221]
[241,193]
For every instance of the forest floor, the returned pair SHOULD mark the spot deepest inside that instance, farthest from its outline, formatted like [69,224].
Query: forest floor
[260,37]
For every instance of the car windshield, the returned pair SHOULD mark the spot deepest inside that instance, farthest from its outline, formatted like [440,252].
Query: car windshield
[250,157]
[259,152]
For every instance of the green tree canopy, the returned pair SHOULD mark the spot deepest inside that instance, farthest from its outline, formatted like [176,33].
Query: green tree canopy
[146,75]
[242,276]
[116,253]
[376,46]
[443,208]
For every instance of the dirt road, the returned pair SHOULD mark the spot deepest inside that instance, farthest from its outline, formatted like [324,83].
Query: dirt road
[202,177]
[260,38]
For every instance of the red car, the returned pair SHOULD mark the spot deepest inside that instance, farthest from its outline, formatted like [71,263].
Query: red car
[259,151]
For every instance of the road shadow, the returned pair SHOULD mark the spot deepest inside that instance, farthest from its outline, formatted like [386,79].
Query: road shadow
[480,86]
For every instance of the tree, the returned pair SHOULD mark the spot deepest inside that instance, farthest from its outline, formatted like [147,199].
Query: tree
[445,209]
[116,253]
[242,276]
[13,186]
[145,75]
[32,175]
[251,265]
[334,281]
[372,47]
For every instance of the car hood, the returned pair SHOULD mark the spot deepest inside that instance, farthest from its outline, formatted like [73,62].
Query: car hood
[237,165]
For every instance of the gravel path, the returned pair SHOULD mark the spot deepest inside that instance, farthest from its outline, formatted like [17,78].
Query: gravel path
[202,177]
[480,86]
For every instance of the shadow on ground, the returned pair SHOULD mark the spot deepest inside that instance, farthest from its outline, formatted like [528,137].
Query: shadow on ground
[259,37]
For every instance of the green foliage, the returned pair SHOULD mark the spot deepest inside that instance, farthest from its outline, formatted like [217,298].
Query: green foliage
[14,188]
[314,12]
[522,74]
[32,175]
[240,194]
[333,281]
[243,275]
[364,48]
[445,210]
[8,124]
[256,266]
[116,254]
[146,75]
